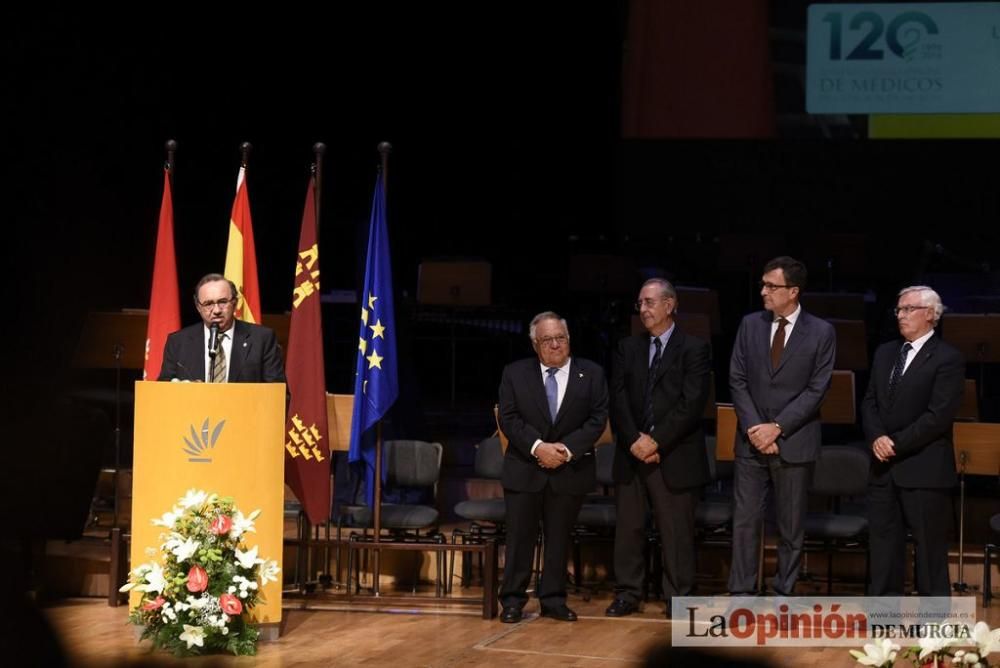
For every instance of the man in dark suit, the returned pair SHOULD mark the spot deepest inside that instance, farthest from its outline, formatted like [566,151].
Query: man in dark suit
[552,409]
[907,413]
[247,353]
[779,373]
[659,385]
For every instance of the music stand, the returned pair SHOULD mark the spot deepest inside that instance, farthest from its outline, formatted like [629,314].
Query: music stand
[976,336]
[976,452]
[113,340]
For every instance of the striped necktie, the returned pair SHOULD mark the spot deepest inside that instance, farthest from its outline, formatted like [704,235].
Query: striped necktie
[219,363]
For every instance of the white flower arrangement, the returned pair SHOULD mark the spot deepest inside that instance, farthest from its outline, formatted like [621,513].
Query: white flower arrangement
[199,597]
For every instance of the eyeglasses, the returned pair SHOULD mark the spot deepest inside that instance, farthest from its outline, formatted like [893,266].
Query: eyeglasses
[558,340]
[648,303]
[907,310]
[771,287]
[218,302]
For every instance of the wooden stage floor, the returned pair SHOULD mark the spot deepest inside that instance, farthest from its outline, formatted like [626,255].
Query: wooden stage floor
[94,634]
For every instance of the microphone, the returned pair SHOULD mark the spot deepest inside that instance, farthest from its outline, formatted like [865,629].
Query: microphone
[213,340]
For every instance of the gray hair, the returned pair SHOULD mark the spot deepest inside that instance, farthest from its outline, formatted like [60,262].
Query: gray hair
[212,278]
[666,288]
[928,297]
[546,315]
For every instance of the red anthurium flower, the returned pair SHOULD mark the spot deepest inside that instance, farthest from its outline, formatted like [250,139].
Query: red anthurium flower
[197,579]
[155,604]
[221,525]
[230,604]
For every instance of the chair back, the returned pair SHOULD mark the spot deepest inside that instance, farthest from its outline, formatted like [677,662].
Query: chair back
[489,459]
[605,454]
[841,470]
[413,463]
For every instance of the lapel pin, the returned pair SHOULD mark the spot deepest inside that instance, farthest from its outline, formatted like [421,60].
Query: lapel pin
[244,344]
[581,374]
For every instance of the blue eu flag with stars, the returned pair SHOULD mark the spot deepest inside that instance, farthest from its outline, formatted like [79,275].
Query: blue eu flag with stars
[376,385]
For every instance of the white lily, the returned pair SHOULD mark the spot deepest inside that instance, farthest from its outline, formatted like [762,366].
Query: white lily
[193,635]
[155,582]
[184,550]
[193,498]
[987,641]
[934,643]
[243,524]
[880,653]
[269,572]
[249,558]
[169,518]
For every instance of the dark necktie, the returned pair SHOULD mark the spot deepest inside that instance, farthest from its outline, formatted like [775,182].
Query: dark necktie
[778,344]
[219,363]
[552,392]
[647,413]
[897,369]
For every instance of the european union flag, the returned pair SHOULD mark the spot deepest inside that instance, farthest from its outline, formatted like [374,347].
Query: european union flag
[375,383]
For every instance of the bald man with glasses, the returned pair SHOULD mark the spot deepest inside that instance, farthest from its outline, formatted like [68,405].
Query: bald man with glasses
[907,414]
[245,353]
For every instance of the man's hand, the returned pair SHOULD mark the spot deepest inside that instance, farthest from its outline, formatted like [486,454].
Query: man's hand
[551,455]
[764,435]
[769,449]
[883,448]
[645,449]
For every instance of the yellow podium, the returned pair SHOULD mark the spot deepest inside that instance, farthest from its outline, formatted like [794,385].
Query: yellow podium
[221,438]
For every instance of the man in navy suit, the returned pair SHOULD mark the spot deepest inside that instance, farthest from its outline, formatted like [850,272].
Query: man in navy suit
[247,353]
[779,372]
[659,386]
[913,396]
[553,408]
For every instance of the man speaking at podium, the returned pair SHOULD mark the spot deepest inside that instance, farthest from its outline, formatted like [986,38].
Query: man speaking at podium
[221,349]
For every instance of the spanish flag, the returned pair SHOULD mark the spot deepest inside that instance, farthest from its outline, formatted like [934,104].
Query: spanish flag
[241,255]
[164,302]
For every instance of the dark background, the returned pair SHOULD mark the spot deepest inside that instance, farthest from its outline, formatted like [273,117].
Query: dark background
[505,125]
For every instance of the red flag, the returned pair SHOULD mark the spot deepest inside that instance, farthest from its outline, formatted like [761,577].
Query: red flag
[241,256]
[164,302]
[307,443]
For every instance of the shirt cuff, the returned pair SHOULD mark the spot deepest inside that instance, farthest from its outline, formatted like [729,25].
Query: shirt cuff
[534,445]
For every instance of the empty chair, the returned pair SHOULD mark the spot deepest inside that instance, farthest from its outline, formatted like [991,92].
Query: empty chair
[407,464]
[840,471]
[988,562]
[486,515]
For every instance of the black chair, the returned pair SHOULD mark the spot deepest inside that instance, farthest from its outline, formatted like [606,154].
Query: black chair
[841,471]
[412,464]
[596,520]
[988,552]
[486,516]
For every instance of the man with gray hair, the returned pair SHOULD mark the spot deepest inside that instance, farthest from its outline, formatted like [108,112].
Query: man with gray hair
[553,408]
[912,398]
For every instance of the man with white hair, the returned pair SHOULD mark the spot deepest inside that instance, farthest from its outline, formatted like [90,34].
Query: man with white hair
[913,395]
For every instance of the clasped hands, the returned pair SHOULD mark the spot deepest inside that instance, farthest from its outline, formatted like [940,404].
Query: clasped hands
[551,455]
[883,448]
[645,449]
[764,437]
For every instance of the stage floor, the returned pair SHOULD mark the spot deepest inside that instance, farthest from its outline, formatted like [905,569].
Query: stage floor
[94,634]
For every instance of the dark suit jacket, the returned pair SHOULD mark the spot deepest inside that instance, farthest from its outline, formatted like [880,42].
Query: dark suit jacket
[524,418]
[679,395]
[789,395]
[919,420]
[255,357]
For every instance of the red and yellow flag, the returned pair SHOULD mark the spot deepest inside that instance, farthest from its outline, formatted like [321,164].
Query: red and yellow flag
[164,301]
[307,442]
[241,255]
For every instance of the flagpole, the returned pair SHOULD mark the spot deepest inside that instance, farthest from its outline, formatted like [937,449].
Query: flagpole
[319,149]
[384,148]
[245,153]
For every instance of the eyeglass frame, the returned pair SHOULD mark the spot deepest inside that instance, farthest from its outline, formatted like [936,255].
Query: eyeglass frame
[225,302]
[560,339]
[771,287]
[650,302]
[907,310]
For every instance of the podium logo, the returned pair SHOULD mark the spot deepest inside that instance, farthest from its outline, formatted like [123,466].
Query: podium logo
[199,444]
